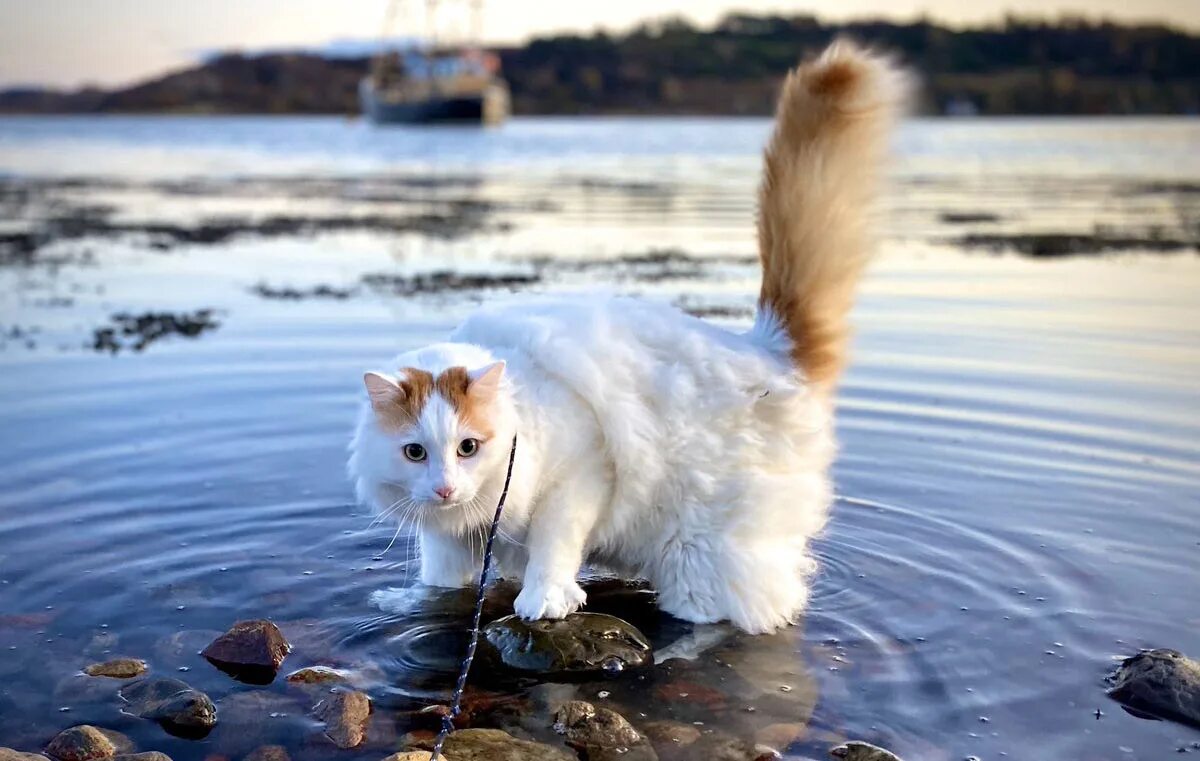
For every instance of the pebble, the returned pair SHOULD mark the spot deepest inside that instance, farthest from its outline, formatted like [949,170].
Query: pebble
[345,715]
[117,668]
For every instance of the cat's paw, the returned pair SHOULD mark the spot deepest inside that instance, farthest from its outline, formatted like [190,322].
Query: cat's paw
[538,601]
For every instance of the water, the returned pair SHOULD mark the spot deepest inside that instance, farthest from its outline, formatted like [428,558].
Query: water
[1019,481]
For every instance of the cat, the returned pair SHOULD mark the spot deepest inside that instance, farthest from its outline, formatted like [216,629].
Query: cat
[647,440]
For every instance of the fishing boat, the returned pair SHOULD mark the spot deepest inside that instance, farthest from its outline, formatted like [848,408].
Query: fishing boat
[429,82]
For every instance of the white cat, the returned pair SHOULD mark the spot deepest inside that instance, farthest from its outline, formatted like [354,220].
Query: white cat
[650,441]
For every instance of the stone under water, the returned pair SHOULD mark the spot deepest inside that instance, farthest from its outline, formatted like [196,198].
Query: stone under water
[580,645]
[860,751]
[251,651]
[180,709]
[1162,683]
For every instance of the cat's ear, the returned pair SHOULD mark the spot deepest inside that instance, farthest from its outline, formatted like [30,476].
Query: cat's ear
[485,381]
[382,390]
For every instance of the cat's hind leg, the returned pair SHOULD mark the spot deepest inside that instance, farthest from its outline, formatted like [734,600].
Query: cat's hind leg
[759,588]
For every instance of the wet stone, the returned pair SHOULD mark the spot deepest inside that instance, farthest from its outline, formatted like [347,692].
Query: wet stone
[861,751]
[413,755]
[497,745]
[251,651]
[118,668]
[180,709]
[718,746]
[601,734]
[666,736]
[345,715]
[1161,683]
[781,735]
[87,743]
[582,644]
[8,754]
[268,753]
[318,675]
[151,755]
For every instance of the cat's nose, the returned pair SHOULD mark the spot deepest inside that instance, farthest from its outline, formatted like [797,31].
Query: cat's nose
[445,492]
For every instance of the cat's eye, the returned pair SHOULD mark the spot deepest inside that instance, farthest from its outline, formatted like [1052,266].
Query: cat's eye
[414,452]
[468,447]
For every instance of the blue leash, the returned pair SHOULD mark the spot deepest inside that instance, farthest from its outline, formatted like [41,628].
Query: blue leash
[456,706]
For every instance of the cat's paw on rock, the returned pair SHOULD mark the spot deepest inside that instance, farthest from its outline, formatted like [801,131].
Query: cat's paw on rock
[540,601]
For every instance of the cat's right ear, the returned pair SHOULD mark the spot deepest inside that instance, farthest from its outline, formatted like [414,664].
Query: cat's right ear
[382,390]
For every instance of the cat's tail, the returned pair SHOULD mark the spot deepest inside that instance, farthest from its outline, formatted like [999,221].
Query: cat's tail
[820,171]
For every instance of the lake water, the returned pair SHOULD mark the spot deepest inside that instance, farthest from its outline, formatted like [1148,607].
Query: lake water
[1018,485]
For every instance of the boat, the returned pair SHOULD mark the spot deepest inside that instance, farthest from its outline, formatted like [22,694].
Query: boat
[431,83]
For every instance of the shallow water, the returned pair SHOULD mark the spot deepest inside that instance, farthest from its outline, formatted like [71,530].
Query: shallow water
[1019,482]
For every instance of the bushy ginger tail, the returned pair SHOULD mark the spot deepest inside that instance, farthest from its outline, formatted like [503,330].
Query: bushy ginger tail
[820,170]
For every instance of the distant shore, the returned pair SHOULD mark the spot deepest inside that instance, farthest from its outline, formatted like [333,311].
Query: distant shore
[1018,67]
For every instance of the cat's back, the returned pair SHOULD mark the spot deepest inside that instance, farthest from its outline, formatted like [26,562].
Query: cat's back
[615,337]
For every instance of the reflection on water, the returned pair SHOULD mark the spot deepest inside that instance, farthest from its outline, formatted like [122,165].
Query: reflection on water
[1018,480]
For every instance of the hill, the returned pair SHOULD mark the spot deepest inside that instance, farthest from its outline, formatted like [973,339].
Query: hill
[1018,66]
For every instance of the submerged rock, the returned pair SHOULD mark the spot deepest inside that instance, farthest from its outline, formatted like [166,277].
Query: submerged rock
[601,734]
[88,743]
[579,645]
[345,715]
[117,668]
[1162,683]
[151,755]
[269,753]
[497,745]
[413,755]
[669,736]
[180,709]
[251,651]
[318,675]
[8,754]
[860,751]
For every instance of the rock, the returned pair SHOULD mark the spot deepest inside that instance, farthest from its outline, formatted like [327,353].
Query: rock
[1162,683]
[254,718]
[579,645]
[180,709]
[345,715]
[413,755]
[118,668]
[86,743]
[780,735]
[181,648]
[251,651]
[152,755]
[318,675]
[860,751]
[8,754]
[269,753]
[497,745]
[669,735]
[601,734]
[719,746]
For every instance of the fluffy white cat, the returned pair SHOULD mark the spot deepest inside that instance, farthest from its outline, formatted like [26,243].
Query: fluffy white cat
[649,441]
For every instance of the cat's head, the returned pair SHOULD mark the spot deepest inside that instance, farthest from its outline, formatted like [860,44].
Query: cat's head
[434,439]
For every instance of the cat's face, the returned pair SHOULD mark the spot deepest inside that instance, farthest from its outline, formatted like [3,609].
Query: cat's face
[440,432]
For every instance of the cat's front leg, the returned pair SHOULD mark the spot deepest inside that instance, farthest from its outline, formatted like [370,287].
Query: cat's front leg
[557,539]
[447,561]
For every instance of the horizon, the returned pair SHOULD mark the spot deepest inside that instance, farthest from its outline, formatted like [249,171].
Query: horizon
[44,48]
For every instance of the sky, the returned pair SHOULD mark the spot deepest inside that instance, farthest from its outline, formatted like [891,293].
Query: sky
[68,43]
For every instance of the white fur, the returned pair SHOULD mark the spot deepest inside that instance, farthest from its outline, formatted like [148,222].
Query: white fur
[652,442]
[649,442]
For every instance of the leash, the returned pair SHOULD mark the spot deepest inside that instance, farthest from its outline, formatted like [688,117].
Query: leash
[456,705]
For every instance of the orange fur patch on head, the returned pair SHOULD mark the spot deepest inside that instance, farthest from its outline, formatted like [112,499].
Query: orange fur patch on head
[401,404]
[468,397]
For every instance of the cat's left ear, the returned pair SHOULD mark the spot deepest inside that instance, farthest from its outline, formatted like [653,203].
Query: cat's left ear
[485,382]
